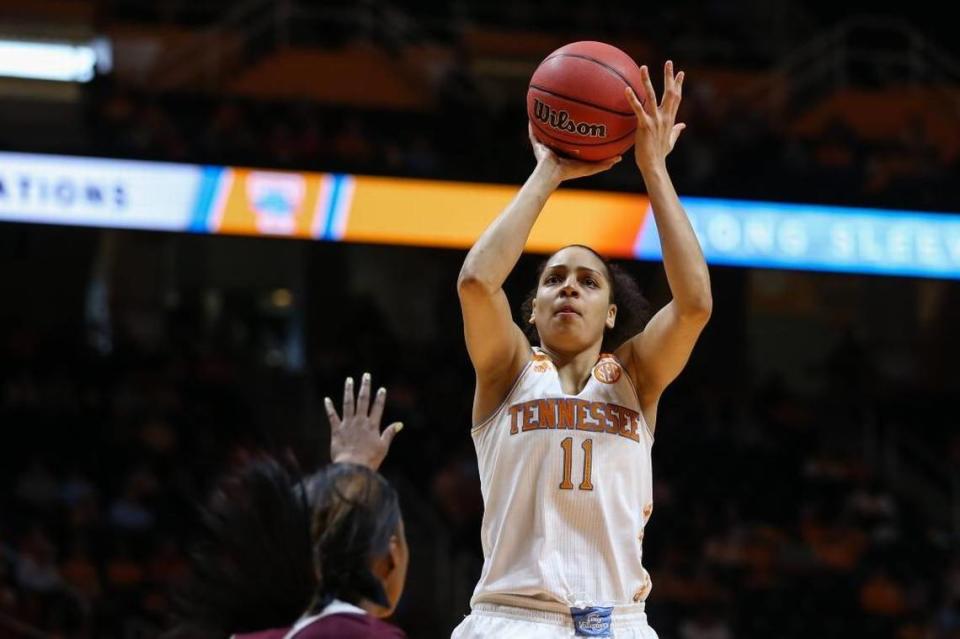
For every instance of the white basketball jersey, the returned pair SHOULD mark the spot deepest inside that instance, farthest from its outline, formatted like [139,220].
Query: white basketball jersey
[567,490]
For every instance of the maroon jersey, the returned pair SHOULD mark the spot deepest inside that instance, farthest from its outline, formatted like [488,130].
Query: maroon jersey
[349,626]
[279,633]
[338,625]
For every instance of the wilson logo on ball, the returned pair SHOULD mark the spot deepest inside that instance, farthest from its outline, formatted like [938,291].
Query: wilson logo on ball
[561,120]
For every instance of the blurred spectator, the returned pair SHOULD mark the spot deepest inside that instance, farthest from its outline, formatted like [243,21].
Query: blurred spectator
[38,487]
[81,574]
[882,595]
[36,568]
[705,625]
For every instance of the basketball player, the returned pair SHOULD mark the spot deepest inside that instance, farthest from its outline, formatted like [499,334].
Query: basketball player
[564,431]
[360,558]
[326,553]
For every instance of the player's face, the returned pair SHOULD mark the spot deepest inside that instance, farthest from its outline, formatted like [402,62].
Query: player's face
[572,308]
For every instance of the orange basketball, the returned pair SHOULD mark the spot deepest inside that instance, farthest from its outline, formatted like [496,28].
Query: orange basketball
[576,101]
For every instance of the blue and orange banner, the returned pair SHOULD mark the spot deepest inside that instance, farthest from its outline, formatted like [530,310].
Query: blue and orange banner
[339,207]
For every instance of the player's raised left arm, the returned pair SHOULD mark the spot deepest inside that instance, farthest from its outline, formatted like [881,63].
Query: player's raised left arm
[657,355]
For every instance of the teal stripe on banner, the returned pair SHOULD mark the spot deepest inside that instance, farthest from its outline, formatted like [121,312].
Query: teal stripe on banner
[336,192]
[206,191]
[318,226]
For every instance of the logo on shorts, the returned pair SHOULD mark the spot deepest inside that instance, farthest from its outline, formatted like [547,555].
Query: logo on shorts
[607,371]
[592,622]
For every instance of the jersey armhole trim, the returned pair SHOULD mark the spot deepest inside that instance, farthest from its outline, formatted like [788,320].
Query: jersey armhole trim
[636,393]
[475,429]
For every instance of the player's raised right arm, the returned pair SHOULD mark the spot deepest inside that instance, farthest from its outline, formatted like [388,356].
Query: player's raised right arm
[497,346]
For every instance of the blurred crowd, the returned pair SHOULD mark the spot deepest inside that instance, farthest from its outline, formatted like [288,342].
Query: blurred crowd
[104,461]
[725,152]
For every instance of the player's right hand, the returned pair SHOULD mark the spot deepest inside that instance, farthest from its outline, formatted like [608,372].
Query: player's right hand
[657,128]
[356,439]
[565,168]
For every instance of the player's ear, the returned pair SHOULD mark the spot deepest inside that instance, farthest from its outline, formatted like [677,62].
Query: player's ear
[382,566]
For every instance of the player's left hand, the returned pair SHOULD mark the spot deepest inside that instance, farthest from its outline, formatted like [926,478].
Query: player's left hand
[356,439]
[563,169]
[657,130]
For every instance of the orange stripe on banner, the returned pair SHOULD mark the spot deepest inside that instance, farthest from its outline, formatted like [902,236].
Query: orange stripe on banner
[454,214]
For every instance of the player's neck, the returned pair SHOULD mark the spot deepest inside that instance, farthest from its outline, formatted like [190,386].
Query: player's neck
[372,609]
[574,368]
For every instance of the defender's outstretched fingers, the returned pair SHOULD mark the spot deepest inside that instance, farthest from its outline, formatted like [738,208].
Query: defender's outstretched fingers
[349,410]
[390,432]
[376,413]
[331,414]
[363,397]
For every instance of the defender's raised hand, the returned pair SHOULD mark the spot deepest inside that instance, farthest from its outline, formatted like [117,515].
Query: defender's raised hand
[356,438]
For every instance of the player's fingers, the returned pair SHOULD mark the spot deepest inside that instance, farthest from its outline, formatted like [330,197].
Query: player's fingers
[675,133]
[540,151]
[534,141]
[363,397]
[677,95]
[390,432]
[668,78]
[376,413]
[331,413]
[634,101]
[606,164]
[671,93]
[348,407]
[583,168]
[650,100]
[637,106]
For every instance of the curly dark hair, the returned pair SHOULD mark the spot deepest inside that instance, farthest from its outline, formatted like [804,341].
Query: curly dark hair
[633,309]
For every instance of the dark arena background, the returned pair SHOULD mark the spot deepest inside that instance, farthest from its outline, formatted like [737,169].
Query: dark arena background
[212,212]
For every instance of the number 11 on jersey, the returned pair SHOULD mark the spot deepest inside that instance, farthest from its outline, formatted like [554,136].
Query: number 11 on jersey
[567,446]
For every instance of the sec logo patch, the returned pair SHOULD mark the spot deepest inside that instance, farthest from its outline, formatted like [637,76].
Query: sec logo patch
[541,363]
[608,371]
